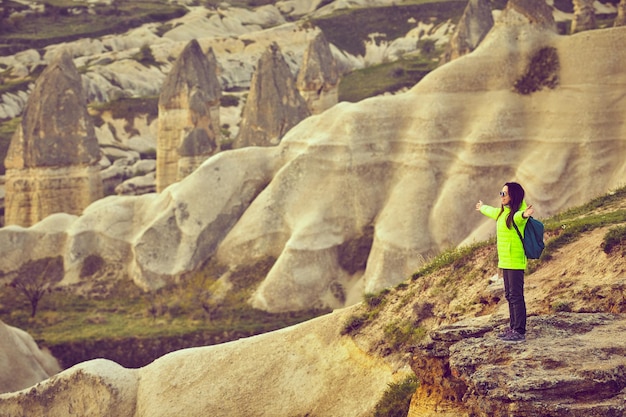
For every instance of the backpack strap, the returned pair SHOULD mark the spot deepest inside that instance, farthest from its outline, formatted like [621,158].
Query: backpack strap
[518,232]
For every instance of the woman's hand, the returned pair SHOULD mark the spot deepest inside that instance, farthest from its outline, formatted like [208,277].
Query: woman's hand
[528,212]
[479,205]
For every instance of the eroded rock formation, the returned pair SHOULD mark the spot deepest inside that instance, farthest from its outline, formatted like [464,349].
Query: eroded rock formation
[476,21]
[189,124]
[620,20]
[22,363]
[567,367]
[318,78]
[307,369]
[52,162]
[584,16]
[351,201]
[274,104]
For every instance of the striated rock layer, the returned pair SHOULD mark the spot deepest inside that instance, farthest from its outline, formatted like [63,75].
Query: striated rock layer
[274,104]
[52,160]
[189,122]
[354,199]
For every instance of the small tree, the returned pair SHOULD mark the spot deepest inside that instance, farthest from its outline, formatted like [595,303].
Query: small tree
[37,277]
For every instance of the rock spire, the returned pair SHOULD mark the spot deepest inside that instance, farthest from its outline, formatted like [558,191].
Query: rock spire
[318,79]
[188,115]
[274,105]
[584,16]
[52,162]
[620,20]
[476,21]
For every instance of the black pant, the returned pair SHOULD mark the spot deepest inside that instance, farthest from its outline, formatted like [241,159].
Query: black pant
[514,293]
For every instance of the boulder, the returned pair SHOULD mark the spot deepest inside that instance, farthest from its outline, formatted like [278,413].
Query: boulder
[318,78]
[189,125]
[52,161]
[274,104]
[22,362]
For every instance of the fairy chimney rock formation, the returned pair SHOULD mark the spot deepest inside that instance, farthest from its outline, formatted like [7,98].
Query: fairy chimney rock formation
[52,161]
[584,16]
[620,20]
[476,21]
[188,115]
[274,104]
[318,79]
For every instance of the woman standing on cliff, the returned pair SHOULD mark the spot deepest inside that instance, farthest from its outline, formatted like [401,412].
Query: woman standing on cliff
[511,256]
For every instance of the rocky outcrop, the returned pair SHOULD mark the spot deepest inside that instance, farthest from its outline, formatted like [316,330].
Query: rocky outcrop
[22,363]
[620,20]
[189,124]
[318,78]
[52,162]
[306,369]
[274,104]
[571,365]
[584,16]
[476,21]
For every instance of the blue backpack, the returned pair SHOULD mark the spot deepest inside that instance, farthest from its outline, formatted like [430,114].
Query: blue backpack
[533,238]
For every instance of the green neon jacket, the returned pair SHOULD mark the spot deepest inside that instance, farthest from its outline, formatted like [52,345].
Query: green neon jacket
[510,249]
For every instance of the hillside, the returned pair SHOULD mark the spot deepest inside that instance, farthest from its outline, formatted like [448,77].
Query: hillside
[354,360]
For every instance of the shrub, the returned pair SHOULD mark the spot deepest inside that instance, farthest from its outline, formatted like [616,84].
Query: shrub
[614,238]
[542,72]
[397,398]
[229,100]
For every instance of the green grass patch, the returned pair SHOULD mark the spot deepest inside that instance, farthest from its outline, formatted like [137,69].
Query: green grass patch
[459,255]
[133,327]
[396,400]
[387,77]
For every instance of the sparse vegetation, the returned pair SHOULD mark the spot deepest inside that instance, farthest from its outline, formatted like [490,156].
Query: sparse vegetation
[373,305]
[56,24]
[384,78]
[36,278]
[397,398]
[542,71]
[349,29]
[615,238]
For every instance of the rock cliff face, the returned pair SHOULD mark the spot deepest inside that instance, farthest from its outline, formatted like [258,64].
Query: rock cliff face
[318,79]
[274,104]
[189,123]
[23,364]
[476,21]
[52,160]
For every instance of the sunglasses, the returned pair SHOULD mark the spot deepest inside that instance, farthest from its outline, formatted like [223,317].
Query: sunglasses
[503,194]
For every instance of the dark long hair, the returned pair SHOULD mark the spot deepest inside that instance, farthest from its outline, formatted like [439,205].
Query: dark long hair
[516,193]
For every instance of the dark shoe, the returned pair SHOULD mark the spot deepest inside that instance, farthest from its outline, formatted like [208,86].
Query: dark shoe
[505,333]
[514,337]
